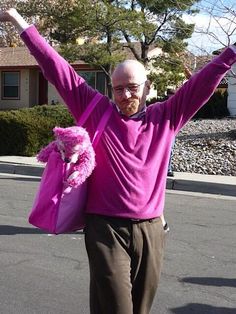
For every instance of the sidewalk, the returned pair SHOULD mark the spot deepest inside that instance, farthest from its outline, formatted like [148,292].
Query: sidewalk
[182,181]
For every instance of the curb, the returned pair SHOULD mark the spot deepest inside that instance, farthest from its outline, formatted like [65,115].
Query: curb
[21,169]
[201,187]
[178,184]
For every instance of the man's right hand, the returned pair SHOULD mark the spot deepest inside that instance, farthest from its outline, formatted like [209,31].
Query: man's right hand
[8,16]
[15,18]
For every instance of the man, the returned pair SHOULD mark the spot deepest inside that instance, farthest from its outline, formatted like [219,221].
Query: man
[124,233]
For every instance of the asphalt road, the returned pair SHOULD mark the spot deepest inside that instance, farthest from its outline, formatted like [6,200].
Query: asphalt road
[44,274]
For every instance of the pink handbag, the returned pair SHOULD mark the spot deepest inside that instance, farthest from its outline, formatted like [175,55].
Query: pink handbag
[59,208]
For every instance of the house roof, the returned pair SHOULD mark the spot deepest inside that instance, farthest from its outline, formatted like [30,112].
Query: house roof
[201,61]
[16,56]
[19,57]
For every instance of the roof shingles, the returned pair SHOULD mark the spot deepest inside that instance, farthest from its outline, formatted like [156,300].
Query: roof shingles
[16,56]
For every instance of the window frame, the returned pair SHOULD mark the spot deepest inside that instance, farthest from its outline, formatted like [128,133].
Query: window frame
[95,79]
[3,86]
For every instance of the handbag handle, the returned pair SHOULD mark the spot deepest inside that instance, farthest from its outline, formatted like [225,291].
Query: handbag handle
[89,109]
[103,121]
[101,126]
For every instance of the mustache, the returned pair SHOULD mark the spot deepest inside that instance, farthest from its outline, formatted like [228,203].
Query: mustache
[128,102]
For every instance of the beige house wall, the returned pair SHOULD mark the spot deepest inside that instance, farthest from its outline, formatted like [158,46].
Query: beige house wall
[33,87]
[53,96]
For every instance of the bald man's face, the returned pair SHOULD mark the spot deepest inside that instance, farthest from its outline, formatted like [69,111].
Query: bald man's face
[130,88]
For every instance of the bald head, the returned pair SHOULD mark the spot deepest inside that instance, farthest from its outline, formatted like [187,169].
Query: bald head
[132,70]
[130,86]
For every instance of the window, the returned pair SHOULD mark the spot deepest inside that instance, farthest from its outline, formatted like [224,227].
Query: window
[11,85]
[96,80]
[101,82]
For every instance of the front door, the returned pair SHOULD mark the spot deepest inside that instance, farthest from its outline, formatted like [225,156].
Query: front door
[43,90]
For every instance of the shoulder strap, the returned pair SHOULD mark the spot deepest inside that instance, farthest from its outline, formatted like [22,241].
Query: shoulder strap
[102,125]
[89,109]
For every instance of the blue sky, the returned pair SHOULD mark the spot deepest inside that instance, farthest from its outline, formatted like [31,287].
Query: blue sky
[217,17]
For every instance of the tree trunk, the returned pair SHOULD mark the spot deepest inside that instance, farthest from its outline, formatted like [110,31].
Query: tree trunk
[144,53]
[109,86]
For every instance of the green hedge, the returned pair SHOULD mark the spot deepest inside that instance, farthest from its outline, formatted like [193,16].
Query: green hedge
[216,107]
[25,131]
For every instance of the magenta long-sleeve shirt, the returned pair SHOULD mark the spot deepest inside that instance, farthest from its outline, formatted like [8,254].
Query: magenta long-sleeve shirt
[132,155]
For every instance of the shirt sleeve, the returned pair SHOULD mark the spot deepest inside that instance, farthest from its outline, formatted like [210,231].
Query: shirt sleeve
[198,89]
[73,89]
[233,47]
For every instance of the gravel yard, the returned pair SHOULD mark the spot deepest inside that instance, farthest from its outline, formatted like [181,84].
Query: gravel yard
[207,147]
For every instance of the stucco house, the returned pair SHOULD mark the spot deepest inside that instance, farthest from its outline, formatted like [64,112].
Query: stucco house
[23,84]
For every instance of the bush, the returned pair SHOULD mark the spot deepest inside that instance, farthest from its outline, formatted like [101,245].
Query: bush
[58,113]
[152,101]
[216,107]
[25,131]
[232,134]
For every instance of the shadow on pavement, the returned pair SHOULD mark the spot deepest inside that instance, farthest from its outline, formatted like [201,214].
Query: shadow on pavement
[13,230]
[211,281]
[22,179]
[203,309]
[27,179]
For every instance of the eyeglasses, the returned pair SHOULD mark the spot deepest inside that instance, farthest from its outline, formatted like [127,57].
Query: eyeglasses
[132,89]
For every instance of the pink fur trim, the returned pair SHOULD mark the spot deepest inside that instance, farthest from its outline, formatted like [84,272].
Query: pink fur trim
[72,137]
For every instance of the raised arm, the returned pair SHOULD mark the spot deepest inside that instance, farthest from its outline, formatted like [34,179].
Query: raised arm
[198,89]
[72,88]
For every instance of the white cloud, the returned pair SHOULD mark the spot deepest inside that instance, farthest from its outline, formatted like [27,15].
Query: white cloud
[211,33]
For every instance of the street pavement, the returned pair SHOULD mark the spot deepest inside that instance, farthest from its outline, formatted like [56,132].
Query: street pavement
[213,184]
[45,274]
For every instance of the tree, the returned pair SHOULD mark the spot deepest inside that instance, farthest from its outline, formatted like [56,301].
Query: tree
[171,73]
[160,24]
[46,14]
[217,25]
[100,29]
[8,35]
[219,29]
[105,24]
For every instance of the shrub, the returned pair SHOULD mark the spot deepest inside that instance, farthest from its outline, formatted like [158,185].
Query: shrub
[58,113]
[152,101]
[216,107]
[25,131]
[232,134]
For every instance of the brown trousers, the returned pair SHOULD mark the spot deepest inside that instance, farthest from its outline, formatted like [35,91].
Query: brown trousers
[125,260]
